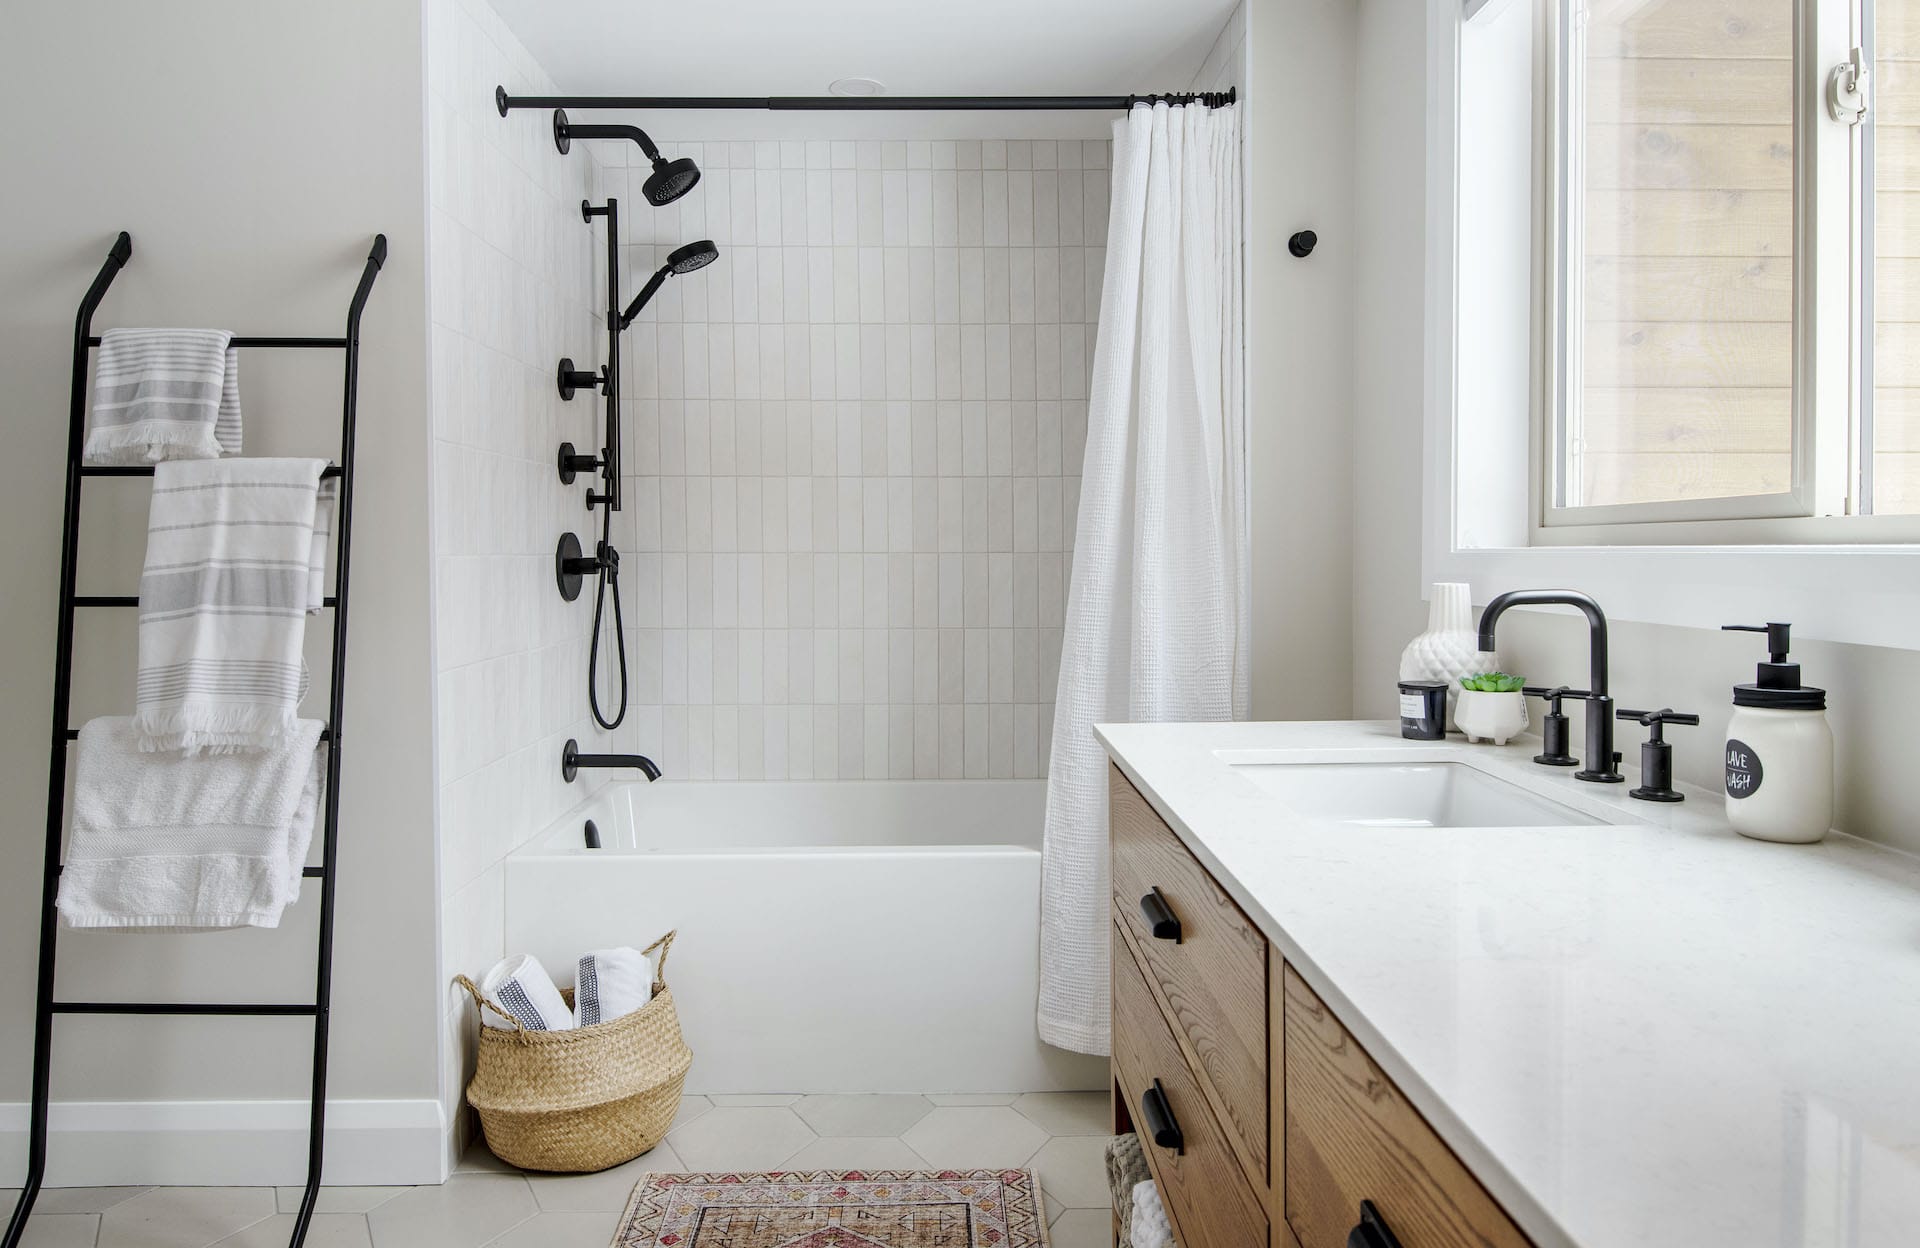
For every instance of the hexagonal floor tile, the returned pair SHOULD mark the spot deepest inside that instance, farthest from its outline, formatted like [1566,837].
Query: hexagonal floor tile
[571,1229]
[183,1217]
[1069,1113]
[61,1230]
[466,1211]
[691,1107]
[78,1199]
[970,1136]
[867,1116]
[339,1199]
[847,1153]
[751,1138]
[1082,1228]
[1072,1170]
[327,1230]
[608,1189]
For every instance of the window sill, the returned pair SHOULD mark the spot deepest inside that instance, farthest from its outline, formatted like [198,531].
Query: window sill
[1858,595]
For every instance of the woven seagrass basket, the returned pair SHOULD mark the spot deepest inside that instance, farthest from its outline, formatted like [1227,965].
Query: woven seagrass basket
[583,1099]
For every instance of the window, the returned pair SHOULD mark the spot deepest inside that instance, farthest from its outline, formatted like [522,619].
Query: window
[1731,268]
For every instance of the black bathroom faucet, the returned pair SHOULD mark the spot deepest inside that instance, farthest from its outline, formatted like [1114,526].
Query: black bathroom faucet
[572,760]
[1603,765]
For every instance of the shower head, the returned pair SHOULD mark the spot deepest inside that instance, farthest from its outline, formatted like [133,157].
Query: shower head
[669,180]
[680,260]
[693,256]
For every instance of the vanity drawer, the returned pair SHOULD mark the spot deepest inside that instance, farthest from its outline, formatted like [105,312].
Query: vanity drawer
[1207,1196]
[1351,1136]
[1213,976]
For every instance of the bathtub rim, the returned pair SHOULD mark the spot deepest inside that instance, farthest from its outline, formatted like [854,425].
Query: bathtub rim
[550,844]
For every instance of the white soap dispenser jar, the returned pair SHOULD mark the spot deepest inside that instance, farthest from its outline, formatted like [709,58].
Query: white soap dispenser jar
[1779,750]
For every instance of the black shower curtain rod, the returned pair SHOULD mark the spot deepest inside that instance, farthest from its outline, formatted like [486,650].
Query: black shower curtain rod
[866,104]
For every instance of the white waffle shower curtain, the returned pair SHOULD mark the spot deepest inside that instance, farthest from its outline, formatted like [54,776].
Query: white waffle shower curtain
[1157,616]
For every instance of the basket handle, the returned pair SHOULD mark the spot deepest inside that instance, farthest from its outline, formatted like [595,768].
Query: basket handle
[664,944]
[479,999]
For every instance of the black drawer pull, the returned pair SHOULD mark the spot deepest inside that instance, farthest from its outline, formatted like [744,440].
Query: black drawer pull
[1372,1230]
[1160,917]
[1160,1121]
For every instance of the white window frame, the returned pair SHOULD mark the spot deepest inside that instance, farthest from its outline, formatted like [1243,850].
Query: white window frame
[1841,578]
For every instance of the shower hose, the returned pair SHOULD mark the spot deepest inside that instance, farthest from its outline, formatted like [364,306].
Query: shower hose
[609,581]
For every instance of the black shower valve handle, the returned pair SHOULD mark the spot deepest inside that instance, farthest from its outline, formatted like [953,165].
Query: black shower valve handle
[571,380]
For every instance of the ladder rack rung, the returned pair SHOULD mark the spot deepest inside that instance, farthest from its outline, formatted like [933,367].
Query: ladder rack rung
[311,873]
[146,470]
[263,1010]
[264,341]
[133,600]
[73,734]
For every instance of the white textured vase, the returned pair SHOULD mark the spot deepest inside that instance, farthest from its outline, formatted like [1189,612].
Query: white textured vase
[1450,648]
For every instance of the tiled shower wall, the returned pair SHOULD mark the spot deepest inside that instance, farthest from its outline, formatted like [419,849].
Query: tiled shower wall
[513,290]
[855,451]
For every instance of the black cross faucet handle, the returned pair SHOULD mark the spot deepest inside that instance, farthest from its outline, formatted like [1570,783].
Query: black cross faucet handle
[1657,719]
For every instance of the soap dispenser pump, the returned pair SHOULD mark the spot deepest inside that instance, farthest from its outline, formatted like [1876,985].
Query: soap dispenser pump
[1779,757]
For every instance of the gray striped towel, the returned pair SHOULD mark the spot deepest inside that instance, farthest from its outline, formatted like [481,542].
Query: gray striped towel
[236,561]
[164,394]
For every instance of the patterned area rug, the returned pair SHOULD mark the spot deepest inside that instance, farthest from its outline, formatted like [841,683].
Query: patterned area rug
[836,1209]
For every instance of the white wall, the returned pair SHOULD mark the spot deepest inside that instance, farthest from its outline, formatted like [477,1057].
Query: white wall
[252,149]
[1300,324]
[1389,356]
[514,289]
[855,445]
[1689,669]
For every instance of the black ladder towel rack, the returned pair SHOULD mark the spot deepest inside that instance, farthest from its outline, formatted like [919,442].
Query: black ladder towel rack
[46,1006]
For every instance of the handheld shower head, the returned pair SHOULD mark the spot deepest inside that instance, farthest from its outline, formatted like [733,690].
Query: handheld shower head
[683,259]
[670,180]
[693,256]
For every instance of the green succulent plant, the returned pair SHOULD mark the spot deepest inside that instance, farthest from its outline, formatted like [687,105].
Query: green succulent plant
[1493,682]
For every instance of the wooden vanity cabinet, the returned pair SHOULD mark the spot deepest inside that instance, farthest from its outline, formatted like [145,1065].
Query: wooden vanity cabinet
[1263,1120]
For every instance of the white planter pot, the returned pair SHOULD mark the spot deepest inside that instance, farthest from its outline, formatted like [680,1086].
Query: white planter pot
[1495,717]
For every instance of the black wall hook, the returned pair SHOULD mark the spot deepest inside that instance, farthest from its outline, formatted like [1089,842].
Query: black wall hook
[1302,244]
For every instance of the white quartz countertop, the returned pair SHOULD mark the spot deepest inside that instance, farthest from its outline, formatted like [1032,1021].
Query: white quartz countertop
[1651,1032]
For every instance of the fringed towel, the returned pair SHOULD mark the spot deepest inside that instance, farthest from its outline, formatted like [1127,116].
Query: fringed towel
[162,841]
[164,394]
[236,560]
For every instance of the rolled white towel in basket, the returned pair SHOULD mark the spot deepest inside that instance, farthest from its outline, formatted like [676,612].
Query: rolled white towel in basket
[611,983]
[524,990]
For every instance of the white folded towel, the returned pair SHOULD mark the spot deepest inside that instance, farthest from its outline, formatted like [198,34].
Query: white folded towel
[521,986]
[1150,1228]
[165,842]
[611,983]
[164,394]
[236,558]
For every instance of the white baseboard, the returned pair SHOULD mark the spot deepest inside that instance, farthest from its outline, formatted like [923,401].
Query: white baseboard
[227,1143]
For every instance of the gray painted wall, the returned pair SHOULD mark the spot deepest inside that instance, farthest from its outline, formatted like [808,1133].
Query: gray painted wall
[114,109]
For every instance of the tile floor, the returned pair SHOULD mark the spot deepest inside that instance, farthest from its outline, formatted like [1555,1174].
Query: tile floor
[1059,1135]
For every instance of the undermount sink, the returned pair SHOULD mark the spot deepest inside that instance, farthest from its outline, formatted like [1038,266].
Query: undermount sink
[1408,795]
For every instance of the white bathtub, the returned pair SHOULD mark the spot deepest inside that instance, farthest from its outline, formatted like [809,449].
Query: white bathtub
[835,936]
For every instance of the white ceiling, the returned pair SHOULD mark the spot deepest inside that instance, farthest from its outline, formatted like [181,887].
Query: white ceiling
[915,47]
